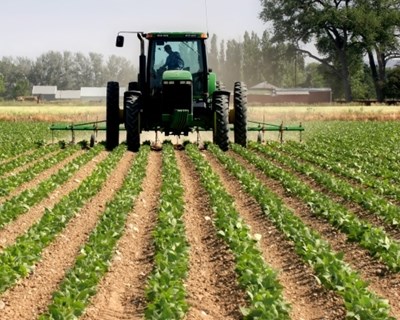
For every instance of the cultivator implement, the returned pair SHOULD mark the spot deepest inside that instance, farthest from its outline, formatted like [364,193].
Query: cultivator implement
[96,126]
[262,127]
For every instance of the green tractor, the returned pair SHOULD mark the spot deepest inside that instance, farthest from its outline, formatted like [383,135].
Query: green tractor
[175,93]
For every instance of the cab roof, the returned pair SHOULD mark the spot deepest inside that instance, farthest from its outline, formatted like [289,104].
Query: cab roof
[176,35]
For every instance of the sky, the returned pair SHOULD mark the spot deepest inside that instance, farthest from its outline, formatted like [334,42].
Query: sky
[29,28]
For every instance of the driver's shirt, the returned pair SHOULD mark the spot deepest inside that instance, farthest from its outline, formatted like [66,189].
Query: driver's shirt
[174,61]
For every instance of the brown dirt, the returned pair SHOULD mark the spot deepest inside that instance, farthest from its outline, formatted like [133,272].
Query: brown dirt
[31,295]
[212,285]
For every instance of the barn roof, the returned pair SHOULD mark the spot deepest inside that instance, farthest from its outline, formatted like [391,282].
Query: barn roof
[98,92]
[264,86]
[93,91]
[44,90]
[68,94]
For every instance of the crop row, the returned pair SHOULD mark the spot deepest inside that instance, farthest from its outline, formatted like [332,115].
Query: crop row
[10,183]
[328,266]
[19,137]
[387,211]
[381,186]
[165,290]
[376,155]
[360,141]
[255,276]
[95,255]
[18,260]
[375,240]
[27,158]
[22,202]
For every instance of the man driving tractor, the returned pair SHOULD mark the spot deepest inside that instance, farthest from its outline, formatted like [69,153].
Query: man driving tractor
[174,60]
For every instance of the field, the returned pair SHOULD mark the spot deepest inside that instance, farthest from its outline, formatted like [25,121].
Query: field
[299,230]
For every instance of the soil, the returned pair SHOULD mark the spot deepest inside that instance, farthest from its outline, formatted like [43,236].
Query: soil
[212,285]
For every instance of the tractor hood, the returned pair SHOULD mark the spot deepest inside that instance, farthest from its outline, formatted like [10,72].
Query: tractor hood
[173,75]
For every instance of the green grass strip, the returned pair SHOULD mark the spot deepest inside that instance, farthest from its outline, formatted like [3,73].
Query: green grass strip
[165,290]
[255,276]
[328,266]
[80,283]
[374,239]
[19,259]
[21,203]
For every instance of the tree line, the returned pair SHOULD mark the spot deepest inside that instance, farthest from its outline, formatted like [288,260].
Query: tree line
[66,70]
[355,40]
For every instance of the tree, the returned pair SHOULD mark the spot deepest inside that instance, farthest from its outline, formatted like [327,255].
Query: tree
[15,73]
[233,69]
[375,26]
[22,88]
[96,64]
[47,70]
[120,69]
[324,21]
[221,61]
[393,83]
[67,81]
[251,59]
[343,31]
[213,62]
[2,86]
[314,76]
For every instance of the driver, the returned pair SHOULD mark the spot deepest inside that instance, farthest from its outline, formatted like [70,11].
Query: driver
[174,60]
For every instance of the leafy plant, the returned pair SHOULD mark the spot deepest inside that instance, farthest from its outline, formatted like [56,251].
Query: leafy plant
[165,290]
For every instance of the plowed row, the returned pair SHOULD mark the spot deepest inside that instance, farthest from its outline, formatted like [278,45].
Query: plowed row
[212,285]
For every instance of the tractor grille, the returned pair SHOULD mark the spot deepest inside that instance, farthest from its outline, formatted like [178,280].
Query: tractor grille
[177,95]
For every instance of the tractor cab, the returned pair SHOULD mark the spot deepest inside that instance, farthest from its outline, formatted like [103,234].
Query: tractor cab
[176,79]
[176,53]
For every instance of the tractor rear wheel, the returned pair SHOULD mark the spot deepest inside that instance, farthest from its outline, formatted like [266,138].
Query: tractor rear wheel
[112,117]
[221,120]
[132,120]
[240,107]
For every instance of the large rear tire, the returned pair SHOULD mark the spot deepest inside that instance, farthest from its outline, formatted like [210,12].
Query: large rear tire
[132,120]
[112,115]
[240,107]
[221,120]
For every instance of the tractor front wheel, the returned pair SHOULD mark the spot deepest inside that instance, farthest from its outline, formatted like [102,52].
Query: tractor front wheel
[132,120]
[112,115]
[221,120]
[240,107]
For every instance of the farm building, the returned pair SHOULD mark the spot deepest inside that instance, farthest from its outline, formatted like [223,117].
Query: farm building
[97,93]
[93,93]
[85,93]
[68,94]
[45,92]
[266,93]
